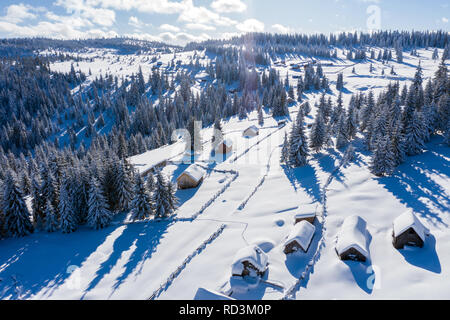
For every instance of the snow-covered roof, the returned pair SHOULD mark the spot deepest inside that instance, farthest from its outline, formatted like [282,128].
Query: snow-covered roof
[353,234]
[209,295]
[306,211]
[252,254]
[252,128]
[302,233]
[194,172]
[409,220]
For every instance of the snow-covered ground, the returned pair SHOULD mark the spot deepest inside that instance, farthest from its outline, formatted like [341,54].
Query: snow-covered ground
[256,199]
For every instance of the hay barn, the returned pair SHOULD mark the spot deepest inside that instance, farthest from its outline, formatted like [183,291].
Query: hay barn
[408,231]
[191,177]
[299,238]
[250,261]
[352,240]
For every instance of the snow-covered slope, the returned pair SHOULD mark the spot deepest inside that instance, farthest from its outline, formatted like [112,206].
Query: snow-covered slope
[249,198]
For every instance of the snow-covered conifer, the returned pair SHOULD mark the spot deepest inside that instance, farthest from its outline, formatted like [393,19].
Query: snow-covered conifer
[98,215]
[17,219]
[141,206]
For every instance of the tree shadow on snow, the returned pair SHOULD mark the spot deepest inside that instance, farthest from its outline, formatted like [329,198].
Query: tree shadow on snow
[41,262]
[144,238]
[304,177]
[411,185]
[425,258]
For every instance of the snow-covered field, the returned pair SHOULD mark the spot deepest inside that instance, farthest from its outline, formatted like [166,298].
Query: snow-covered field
[256,199]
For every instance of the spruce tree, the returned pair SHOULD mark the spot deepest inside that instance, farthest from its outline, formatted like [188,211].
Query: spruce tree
[317,134]
[51,219]
[414,135]
[37,202]
[141,206]
[382,159]
[298,144]
[99,215]
[163,197]
[67,219]
[285,150]
[17,219]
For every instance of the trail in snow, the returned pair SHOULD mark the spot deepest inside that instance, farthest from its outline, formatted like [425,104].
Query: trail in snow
[183,265]
[292,291]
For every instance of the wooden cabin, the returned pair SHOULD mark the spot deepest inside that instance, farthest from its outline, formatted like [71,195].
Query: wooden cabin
[224,147]
[300,237]
[352,240]
[250,261]
[191,177]
[408,231]
[306,214]
[251,131]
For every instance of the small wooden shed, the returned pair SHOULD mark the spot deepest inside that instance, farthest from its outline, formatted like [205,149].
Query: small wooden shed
[250,261]
[352,240]
[251,131]
[306,212]
[224,147]
[300,237]
[408,231]
[191,177]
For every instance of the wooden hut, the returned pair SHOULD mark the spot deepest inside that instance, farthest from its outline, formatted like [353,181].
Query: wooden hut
[408,231]
[251,131]
[250,261]
[352,240]
[306,212]
[191,177]
[224,147]
[299,238]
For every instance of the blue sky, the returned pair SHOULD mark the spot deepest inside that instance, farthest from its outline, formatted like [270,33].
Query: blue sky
[180,21]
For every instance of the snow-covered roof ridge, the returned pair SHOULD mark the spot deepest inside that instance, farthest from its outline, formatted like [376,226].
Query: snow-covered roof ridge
[353,234]
[194,172]
[252,127]
[306,211]
[253,254]
[409,220]
[303,233]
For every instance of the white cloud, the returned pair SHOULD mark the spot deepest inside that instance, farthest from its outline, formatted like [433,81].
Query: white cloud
[169,27]
[199,26]
[17,13]
[226,6]
[444,20]
[251,25]
[149,6]
[193,14]
[84,9]
[278,28]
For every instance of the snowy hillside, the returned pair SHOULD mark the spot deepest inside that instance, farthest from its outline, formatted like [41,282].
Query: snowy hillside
[250,197]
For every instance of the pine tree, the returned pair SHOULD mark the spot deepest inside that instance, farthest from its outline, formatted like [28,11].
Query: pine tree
[123,185]
[37,202]
[414,135]
[17,222]
[141,206]
[298,145]
[163,197]
[317,135]
[382,159]
[98,215]
[260,116]
[285,150]
[341,139]
[51,219]
[67,219]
